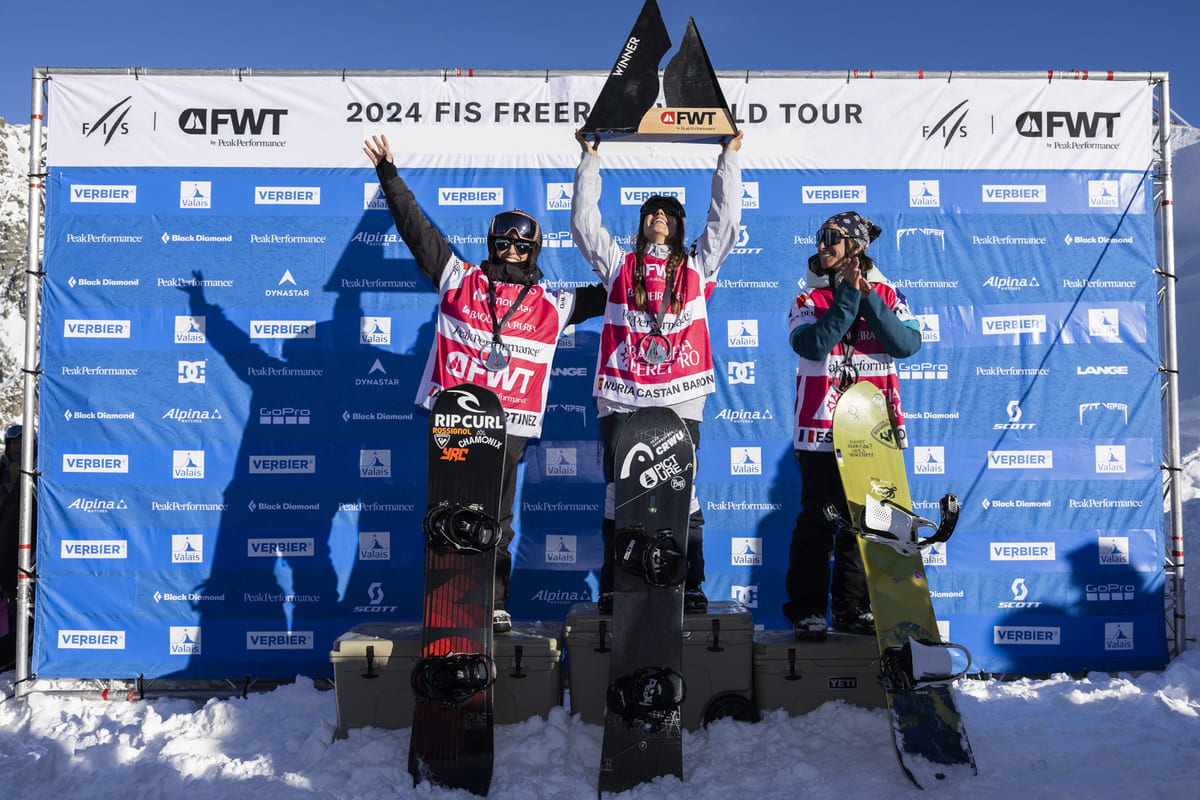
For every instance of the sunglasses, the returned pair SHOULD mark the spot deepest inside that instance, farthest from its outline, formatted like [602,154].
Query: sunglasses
[830,236]
[670,211]
[522,247]
[516,222]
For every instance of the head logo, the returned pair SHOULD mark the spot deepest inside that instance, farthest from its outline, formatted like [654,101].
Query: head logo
[111,122]
[561,549]
[374,545]
[949,127]
[1110,459]
[562,462]
[929,460]
[745,461]
[195,194]
[746,551]
[185,640]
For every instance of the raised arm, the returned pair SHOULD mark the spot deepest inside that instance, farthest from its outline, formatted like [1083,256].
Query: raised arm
[721,231]
[588,232]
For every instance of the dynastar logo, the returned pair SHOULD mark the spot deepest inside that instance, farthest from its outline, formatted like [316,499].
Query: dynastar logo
[108,125]
[1074,124]
[949,127]
[236,121]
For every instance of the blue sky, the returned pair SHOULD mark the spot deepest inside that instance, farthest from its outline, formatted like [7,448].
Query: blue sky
[1150,35]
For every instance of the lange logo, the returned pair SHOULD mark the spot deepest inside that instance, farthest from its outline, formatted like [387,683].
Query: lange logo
[951,126]
[232,121]
[1073,124]
[111,122]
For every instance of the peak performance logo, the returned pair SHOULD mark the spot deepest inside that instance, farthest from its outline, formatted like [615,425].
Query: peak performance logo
[111,122]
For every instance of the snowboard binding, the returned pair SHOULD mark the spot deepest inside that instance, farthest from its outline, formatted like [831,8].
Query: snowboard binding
[887,522]
[453,679]
[919,663]
[656,558]
[463,528]
[649,697]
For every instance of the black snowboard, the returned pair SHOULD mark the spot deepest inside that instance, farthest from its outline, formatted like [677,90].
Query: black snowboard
[655,467]
[452,724]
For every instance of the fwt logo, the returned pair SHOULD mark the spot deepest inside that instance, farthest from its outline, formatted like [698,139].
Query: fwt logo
[185,640]
[231,121]
[561,549]
[746,551]
[1104,194]
[950,126]
[375,330]
[741,372]
[562,462]
[195,194]
[187,548]
[929,460]
[374,463]
[1074,124]
[742,332]
[745,461]
[746,595]
[187,464]
[111,122]
[191,330]
[193,371]
[1110,459]
[374,545]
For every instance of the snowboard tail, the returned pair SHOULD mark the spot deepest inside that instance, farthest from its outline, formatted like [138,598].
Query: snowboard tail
[927,730]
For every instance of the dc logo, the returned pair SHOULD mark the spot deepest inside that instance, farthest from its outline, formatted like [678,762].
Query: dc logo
[741,372]
[192,371]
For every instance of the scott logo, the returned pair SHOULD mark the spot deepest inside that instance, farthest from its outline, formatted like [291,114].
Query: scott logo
[239,121]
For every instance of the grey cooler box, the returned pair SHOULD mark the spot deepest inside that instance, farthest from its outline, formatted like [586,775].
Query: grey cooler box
[799,676]
[716,663]
[373,663]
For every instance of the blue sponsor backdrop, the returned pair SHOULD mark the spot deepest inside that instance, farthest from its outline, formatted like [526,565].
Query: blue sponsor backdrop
[234,470]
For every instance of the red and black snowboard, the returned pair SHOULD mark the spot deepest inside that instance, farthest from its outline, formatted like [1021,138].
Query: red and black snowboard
[655,467]
[452,725]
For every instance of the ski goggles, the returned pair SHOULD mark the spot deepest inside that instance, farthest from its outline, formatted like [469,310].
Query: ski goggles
[830,237]
[668,205]
[520,245]
[514,222]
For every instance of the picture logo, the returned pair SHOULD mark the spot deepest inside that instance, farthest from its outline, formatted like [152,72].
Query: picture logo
[561,549]
[1118,635]
[1073,124]
[192,371]
[231,121]
[373,197]
[749,194]
[746,552]
[375,330]
[741,372]
[931,327]
[111,122]
[948,127]
[746,595]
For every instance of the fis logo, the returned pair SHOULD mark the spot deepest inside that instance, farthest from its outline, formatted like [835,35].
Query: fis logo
[375,330]
[195,194]
[742,332]
[562,462]
[559,196]
[741,372]
[1110,459]
[191,330]
[949,127]
[375,463]
[925,194]
[561,549]
[185,640]
[746,552]
[192,371]
[374,545]
[745,461]
[187,548]
[111,122]
[746,595]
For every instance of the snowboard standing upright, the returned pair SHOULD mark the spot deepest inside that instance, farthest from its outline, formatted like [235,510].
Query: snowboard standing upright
[452,725]
[927,728]
[655,467]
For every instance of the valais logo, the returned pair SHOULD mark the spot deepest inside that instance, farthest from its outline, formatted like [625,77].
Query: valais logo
[1110,459]
[187,464]
[745,461]
[374,545]
[929,460]
[746,552]
[1104,322]
[561,549]
[185,640]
